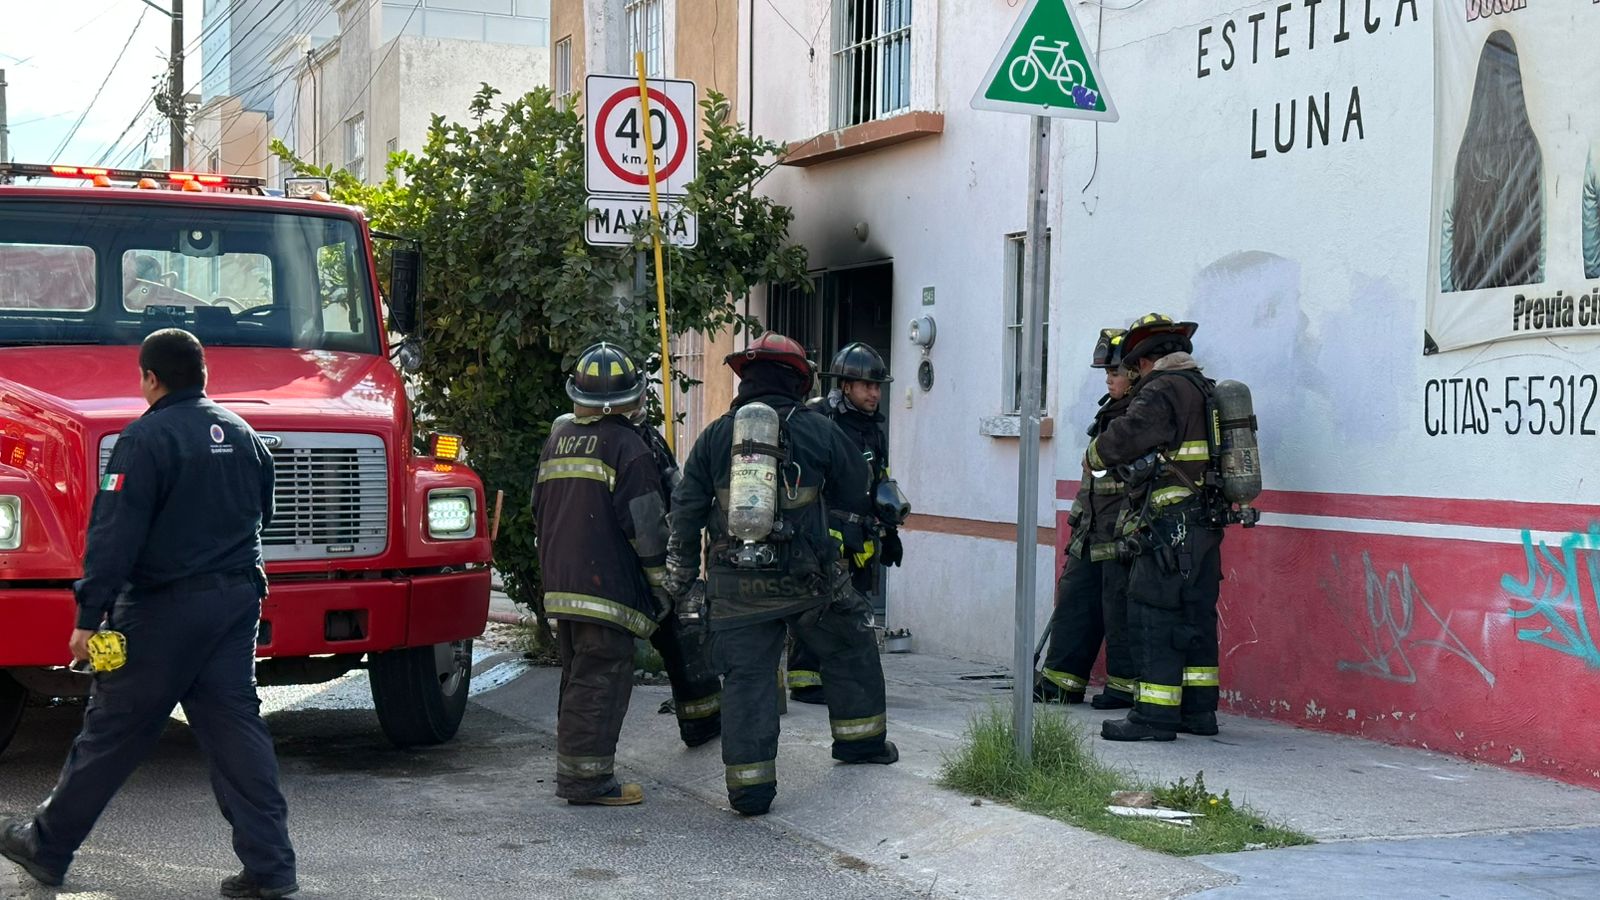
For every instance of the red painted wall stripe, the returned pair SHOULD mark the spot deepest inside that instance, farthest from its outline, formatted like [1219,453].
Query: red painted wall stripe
[1428,510]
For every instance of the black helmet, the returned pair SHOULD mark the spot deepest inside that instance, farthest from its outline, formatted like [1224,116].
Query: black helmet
[858,362]
[1156,335]
[605,377]
[1108,350]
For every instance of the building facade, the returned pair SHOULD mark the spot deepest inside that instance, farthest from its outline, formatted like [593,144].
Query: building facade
[343,82]
[684,39]
[1426,568]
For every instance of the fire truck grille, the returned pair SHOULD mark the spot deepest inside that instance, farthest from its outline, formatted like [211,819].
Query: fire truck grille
[331,495]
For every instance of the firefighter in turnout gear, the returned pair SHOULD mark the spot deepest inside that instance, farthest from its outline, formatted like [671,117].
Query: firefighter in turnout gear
[1090,598]
[760,482]
[1160,447]
[853,406]
[601,518]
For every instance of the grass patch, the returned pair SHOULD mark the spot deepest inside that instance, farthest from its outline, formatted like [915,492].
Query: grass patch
[1065,781]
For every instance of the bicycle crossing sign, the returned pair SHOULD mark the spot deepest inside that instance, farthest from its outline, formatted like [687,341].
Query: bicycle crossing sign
[1044,69]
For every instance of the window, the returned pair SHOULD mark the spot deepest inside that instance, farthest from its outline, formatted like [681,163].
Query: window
[336,273]
[645,32]
[111,273]
[563,73]
[1016,306]
[46,276]
[355,143]
[390,148]
[871,60]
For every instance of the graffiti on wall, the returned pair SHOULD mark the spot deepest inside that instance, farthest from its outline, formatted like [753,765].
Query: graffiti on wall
[1399,622]
[1557,604]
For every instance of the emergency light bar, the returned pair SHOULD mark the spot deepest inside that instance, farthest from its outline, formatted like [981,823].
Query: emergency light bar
[143,178]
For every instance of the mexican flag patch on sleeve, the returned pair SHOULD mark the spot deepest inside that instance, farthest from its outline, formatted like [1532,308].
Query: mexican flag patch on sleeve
[111,482]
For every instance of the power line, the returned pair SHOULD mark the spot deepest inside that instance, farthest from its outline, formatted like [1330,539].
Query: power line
[118,61]
[132,122]
[309,20]
[375,70]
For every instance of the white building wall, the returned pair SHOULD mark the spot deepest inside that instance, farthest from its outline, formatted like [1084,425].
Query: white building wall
[940,208]
[1306,269]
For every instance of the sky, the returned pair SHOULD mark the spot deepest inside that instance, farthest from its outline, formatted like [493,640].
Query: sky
[56,58]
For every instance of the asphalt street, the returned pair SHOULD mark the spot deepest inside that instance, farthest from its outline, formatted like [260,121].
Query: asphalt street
[474,819]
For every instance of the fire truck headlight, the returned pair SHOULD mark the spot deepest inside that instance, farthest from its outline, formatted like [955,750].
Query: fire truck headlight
[10,522]
[452,514]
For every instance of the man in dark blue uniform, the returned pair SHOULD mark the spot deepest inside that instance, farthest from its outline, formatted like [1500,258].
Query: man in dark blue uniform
[173,562]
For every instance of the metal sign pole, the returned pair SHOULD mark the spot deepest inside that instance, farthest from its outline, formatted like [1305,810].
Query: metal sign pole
[670,426]
[1036,277]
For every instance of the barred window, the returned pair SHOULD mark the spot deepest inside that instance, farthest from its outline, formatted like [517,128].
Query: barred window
[563,73]
[1016,289]
[646,33]
[871,60]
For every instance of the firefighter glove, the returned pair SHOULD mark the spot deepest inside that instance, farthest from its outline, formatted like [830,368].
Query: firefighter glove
[892,552]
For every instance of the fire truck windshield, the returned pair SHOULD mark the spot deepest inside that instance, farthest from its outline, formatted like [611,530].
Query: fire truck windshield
[111,273]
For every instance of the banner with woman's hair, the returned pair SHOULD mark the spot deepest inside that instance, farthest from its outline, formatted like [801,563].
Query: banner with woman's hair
[1516,200]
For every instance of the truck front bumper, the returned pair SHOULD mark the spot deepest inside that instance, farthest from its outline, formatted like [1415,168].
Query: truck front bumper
[298,618]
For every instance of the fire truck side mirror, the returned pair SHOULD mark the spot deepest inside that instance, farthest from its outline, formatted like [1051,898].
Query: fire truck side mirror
[405,277]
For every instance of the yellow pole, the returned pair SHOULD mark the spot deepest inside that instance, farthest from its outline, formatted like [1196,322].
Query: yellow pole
[655,235]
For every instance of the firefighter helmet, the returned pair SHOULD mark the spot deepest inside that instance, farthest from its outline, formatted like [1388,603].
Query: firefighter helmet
[605,377]
[1108,350]
[772,347]
[859,362]
[1156,334]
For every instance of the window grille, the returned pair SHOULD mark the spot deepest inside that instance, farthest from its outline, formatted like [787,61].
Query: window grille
[871,60]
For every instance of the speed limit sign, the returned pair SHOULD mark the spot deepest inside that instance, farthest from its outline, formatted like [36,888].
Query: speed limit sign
[616,161]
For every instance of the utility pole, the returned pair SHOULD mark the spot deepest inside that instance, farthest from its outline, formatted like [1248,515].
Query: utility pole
[5,132]
[177,113]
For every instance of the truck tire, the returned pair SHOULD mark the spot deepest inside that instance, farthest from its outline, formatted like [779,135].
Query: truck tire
[13,697]
[421,692]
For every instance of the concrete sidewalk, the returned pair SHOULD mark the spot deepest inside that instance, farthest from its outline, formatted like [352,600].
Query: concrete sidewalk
[1336,789]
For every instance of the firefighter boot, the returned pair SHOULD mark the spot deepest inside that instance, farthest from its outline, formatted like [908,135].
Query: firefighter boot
[245,885]
[629,794]
[886,757]
[1131,729]
[20,844]
[1204,724]
[1107,700]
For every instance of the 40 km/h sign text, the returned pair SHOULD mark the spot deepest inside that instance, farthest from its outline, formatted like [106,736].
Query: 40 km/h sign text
[616,160]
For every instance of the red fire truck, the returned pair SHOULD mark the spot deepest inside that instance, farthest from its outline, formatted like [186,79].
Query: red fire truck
[378,554]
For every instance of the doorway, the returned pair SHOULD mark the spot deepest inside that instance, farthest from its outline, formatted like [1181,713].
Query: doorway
[843,306]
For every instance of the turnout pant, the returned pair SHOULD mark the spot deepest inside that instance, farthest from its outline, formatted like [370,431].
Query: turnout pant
[805,674]
[1172,618]
[805,670]
[596,682]
[696,690]
[194,647]
[1076,627]
[747,656]
[1122,677]
[1091,603]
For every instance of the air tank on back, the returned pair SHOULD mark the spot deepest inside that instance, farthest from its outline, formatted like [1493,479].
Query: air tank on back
[1241,458]
[753,475]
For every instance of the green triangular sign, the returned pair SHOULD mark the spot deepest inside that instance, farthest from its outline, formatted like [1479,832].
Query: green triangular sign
[1045,70]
